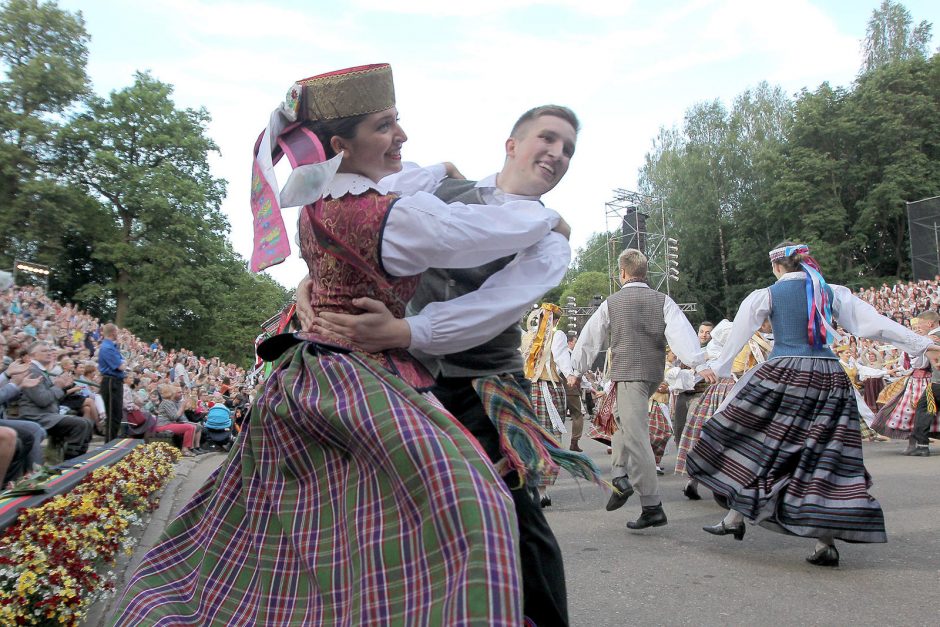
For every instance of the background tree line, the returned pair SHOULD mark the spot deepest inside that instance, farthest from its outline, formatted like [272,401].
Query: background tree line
[116,195]
[831,167]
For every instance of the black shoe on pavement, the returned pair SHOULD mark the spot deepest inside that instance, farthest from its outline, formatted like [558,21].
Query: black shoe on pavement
[691,492]
[652,516]
[723,530]
[617,499]
[919,450]
[827,556]
[911,446]
[545,501]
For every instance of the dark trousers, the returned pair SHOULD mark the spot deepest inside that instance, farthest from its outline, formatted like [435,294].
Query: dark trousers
[112,393]
[20,462]
[543,573]
[923,418]
[75,432]
[680,414]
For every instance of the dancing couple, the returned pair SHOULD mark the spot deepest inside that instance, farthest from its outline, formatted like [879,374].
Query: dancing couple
[352,496]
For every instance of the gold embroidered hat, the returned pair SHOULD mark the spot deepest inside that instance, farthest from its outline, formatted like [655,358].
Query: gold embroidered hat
[344,93]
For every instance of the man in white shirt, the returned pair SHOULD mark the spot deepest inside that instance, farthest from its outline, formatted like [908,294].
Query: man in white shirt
[637,322]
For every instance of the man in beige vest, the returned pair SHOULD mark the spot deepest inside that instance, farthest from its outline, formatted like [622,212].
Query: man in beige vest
[637,322]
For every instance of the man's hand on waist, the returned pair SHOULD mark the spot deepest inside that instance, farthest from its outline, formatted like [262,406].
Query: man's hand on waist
[374,330]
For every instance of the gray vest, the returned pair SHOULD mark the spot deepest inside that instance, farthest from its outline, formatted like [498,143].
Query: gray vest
[501,354]
[637,335]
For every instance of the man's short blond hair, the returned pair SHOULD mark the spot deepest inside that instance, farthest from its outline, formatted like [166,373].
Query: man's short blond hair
[109,330]
[634,263]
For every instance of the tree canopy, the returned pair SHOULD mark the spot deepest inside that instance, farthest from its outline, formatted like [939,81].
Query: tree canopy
[116,194]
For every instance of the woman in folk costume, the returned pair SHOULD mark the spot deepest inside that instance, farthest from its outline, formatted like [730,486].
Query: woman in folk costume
[702,408]
[896,418]
[784,448]
[350,498]
[849,363]
[547,361]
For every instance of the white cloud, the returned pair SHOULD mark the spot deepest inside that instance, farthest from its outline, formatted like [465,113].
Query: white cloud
[626,68]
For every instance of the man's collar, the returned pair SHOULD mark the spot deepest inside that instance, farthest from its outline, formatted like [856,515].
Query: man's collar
[39,365]
[490,182]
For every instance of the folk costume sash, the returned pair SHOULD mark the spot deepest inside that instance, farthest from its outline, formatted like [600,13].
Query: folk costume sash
[527,448]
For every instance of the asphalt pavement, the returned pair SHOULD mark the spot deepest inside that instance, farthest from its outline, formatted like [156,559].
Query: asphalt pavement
[679,575]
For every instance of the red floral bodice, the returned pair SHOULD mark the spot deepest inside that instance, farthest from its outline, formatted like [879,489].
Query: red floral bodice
[340,239]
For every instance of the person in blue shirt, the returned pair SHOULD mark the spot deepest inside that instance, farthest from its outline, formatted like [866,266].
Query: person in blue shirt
[111,365]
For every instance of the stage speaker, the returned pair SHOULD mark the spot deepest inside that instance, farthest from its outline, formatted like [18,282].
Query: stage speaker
[923,221]
[634,229]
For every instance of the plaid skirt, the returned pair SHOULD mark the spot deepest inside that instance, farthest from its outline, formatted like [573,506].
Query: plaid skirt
[603,426]
[349,499]
[896,418]
[557,393]
[660,430]
[785,450]
[701,409]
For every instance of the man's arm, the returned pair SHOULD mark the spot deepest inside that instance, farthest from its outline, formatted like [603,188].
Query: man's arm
[561,354]
[683,340]
[424,232]
[594,338]
[470,320]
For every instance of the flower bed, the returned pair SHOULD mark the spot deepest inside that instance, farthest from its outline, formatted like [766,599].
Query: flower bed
[51,558]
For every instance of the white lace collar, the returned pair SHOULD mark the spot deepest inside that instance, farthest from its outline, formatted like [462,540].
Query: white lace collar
[355,184]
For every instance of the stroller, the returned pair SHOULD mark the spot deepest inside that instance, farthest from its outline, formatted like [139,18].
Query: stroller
[217,431]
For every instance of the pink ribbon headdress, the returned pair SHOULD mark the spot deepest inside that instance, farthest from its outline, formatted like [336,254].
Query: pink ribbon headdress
[344,93]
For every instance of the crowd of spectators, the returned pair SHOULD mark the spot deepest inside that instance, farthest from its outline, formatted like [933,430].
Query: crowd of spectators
[49,386]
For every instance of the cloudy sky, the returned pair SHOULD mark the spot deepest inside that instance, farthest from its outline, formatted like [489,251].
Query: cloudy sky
[464,71]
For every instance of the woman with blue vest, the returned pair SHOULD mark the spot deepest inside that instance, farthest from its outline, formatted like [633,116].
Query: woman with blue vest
[784,450]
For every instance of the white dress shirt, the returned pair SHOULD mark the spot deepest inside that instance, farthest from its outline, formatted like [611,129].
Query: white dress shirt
[680,335]
[853,314]
[561,353]
[423,232]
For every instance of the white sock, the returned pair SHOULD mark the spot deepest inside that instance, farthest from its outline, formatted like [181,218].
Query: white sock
[733,519]
[823,542]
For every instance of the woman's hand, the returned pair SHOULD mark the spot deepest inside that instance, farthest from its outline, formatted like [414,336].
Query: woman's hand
[563,228]
[452,172]
[305,313]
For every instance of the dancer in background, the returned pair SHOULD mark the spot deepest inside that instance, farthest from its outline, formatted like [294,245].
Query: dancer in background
[784,450]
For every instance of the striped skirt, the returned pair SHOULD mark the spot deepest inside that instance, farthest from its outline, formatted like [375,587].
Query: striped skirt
[785,450]
[557,397]
[349,499]
[896,418]
[701,410]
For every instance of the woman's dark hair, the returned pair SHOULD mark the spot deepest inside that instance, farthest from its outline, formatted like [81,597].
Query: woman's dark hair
[325,130]
[791,263]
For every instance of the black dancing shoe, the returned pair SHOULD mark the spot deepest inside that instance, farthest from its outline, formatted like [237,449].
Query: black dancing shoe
[652,516]
[545,501]
[691,492]
[919,450]
[828,556]
[625,491]
[721,529]
[660,471]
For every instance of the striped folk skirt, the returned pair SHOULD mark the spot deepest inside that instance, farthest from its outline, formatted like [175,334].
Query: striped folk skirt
[785,450]
[701,410]
[896,418]
[349,499]
[556,396]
